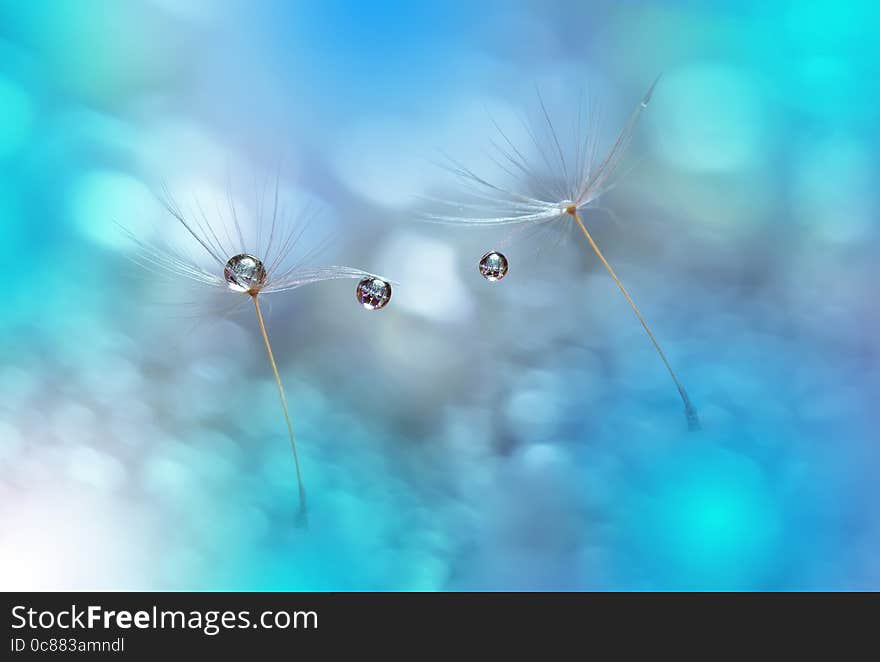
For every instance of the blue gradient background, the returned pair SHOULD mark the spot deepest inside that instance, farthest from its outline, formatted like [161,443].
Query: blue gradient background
[516,436]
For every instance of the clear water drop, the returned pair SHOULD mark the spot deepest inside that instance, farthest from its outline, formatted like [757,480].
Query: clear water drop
[493,266]
[245,273]
[373,293]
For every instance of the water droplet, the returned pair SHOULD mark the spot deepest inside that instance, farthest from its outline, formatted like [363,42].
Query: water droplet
[373,293]
[493,266]
[245,273]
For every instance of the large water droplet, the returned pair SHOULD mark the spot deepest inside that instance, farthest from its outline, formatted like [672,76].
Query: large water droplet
[373,293]
[493,266]
[245,273]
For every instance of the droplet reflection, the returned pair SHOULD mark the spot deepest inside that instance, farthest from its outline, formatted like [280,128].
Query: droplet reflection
[245,273]
[493,266]
[373,293]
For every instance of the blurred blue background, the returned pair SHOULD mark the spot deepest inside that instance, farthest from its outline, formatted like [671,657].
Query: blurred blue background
[521,435]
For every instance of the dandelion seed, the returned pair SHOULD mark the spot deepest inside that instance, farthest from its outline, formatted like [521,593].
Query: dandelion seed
[572,186]
[230,267]
[493,266]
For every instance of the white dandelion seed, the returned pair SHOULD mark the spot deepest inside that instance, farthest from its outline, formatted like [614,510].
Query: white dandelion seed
[555,188]
[262,266]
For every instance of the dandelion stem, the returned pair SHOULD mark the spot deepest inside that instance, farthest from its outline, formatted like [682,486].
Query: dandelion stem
[302,491]
[689,410]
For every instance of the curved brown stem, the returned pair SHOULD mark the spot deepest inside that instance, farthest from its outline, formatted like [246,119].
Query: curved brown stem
[689,410]
[302,491]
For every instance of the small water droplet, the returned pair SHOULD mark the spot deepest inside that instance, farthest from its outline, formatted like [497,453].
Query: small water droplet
[373,293]
[245,273]
[493,266]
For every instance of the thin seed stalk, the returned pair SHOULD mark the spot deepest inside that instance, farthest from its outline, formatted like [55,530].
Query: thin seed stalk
[690,411]
[299,480]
